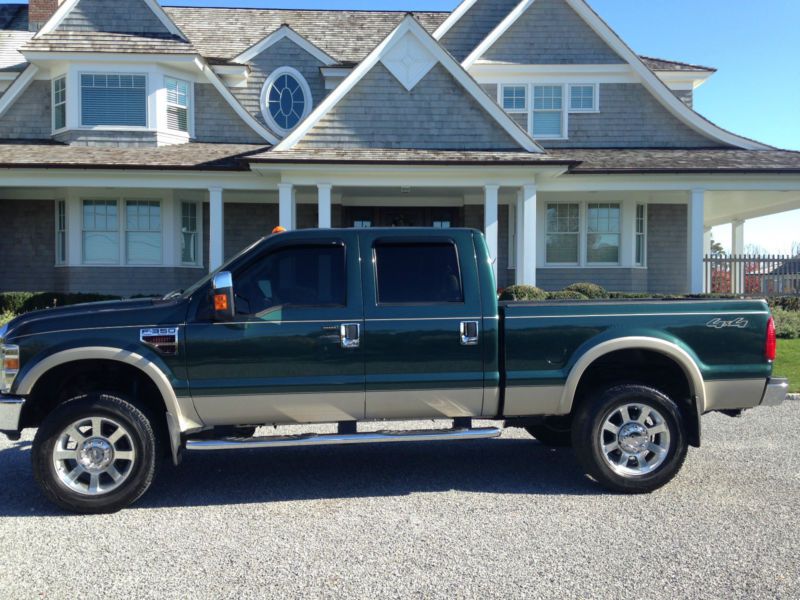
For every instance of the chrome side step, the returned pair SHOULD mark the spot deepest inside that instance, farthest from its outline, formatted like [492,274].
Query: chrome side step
[313,439]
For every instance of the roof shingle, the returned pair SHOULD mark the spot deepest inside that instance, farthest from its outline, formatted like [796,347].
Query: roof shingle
[95,41]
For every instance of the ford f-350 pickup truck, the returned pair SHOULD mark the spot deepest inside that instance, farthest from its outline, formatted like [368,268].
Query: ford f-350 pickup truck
[347,326]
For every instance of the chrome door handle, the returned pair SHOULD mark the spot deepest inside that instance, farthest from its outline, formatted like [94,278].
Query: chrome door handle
[350,334]
[469,333]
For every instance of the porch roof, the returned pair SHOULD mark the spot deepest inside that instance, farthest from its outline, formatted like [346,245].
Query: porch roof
[391,156]
[193,156]
[676,160]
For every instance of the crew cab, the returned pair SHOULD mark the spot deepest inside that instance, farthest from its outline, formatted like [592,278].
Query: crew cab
[348,326]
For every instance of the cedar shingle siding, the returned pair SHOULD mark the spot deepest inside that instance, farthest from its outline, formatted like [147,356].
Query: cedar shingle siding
[216,121]
[551,33]
[29,118]
[667,248]
[380,113]
[475,25]
[131,16]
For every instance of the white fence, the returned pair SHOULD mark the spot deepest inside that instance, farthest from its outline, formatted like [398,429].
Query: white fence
[754,275]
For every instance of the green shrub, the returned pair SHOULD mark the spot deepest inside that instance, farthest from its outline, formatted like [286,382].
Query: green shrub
[522,293]
[590,290]
[23,302]
[787,323]
[566,295]
[791,303]
[5,317]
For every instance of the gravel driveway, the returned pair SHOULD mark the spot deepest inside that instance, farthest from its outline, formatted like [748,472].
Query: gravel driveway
[501,518]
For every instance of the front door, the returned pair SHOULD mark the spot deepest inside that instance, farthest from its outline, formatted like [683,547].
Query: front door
[418,308]
[286,358]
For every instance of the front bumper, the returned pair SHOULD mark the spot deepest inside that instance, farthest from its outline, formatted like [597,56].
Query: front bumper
[10,412]
[775,392]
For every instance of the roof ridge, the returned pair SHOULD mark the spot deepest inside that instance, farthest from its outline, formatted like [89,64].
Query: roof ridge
[312,10]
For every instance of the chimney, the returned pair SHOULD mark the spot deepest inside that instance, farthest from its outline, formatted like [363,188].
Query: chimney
[40,11]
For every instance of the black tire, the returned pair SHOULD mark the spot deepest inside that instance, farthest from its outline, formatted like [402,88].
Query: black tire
[588,437]
[555,432]
[142,439]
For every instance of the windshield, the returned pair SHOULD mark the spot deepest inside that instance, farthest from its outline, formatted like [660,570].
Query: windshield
[192,289]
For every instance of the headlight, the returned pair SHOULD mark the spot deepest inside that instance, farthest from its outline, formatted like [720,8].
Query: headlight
[9,366]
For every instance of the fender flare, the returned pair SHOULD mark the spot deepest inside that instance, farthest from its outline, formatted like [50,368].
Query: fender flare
[669,349]
[181,413]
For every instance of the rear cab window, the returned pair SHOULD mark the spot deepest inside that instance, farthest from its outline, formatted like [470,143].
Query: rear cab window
[417,273]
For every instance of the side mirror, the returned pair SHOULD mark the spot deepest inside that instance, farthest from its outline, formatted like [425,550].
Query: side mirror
[223,296]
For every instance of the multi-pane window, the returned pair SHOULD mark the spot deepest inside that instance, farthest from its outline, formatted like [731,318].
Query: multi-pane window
[441,225]
[641,223]
[189,233]
[113,99]
[61,232]
[548,109]
[177,104]
[582,98]
[143,232]
[59,103]
[515,98]
[562,233]
[362,224]
[603,233]
[100,232]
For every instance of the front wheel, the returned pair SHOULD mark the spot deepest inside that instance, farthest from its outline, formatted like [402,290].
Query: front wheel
[95,454]
[630,438]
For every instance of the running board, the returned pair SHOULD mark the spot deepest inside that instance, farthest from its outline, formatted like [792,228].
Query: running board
[313,439]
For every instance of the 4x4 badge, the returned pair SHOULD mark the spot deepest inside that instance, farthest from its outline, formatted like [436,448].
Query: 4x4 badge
[722,323]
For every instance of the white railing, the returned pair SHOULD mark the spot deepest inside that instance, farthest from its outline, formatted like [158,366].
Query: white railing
[752,275]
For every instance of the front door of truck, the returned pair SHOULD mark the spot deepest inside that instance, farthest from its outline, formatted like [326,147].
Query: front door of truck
[293,352]
[423,337]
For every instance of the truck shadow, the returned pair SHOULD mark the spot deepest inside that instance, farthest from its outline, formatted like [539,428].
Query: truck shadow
[504,466]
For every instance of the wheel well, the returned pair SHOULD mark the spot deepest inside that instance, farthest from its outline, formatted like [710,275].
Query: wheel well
[80,377]
[646,367]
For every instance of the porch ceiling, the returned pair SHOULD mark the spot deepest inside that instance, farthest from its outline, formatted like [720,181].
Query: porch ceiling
[726,207]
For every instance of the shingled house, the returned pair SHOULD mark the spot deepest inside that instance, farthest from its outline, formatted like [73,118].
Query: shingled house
[141,146]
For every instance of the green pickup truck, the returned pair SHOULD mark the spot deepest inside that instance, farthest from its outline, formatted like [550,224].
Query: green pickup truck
[347,326]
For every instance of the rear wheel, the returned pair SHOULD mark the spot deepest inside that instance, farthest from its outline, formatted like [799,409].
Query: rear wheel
[95,454]
[553,431]
[630,438]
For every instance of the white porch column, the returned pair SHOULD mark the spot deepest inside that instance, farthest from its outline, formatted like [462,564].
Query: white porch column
[520,238]
[529,234]
[491,227]
[216,234]
[324,205]
[737,237]
[286,206]
[696,226]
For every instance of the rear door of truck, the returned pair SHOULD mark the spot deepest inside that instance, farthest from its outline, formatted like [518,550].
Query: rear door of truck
[423,342]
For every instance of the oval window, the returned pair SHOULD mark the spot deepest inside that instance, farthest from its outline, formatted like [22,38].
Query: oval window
[285,99]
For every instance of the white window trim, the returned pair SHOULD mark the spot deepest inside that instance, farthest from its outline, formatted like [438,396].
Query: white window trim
[59,261]
[200,233]
[120,233]
[501,97]
[145,127]
[583,237]
[189,108]
[564,111]
[642,264]
[596,93]
[125,231]
[53,102]
[285,70]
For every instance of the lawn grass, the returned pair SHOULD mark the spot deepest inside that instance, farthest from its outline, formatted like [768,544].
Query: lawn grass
[788,363]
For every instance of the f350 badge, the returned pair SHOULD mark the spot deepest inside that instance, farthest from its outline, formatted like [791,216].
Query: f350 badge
[739,323]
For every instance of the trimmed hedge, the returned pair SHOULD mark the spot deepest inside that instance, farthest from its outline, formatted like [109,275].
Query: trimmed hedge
[790,303]
[590,290]
[566,295]
[787,323]
[522,293]
[23,302]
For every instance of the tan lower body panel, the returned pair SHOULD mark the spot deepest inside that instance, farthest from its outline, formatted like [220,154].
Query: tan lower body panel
[425,404]
[734,393]
[523,401]
[280,408]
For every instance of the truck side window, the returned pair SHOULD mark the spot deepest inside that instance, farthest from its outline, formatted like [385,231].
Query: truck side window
[417,273]
[293,276]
